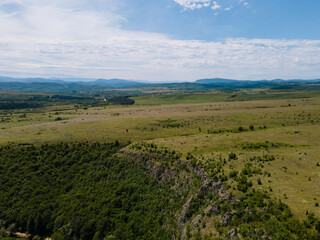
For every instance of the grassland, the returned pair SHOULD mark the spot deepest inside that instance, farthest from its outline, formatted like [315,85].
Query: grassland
[205,125]
[224,96]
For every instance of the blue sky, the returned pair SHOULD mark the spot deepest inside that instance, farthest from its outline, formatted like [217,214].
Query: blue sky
[275,19]
[160,40]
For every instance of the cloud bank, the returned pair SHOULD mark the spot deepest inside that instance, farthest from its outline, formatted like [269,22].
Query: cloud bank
[82,38]
[164,59]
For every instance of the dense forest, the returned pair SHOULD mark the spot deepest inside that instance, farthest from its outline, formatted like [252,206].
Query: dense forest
[80,191]
[100,191]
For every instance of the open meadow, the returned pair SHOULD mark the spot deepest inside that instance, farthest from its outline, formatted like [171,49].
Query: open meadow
[206,126]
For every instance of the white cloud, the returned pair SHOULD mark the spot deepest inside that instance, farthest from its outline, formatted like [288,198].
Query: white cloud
[66,19]
[162,59]
[192,4]
[215,6]
[228,8]
[243,2]
[69,38]
[196,4]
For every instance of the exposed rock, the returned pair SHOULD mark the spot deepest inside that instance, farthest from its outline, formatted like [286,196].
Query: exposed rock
[226,218]
[195,221]
[152,161]
[208,186]
[214,209]
[232,233]
[183,217]
[200,171]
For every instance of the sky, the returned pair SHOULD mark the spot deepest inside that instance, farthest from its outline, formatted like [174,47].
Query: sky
[160,40]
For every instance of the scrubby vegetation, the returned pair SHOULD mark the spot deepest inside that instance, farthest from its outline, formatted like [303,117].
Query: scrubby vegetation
[123,100]
[264,145]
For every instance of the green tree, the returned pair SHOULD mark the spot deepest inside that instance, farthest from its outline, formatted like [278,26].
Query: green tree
[31,225]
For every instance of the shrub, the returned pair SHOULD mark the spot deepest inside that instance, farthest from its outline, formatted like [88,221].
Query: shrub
[232,156]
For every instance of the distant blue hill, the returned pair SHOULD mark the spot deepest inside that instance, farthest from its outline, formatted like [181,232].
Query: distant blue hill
[31,80]
[114,83]
[215,81]
[76,85]
[107,83]
[231,83]
[210,81]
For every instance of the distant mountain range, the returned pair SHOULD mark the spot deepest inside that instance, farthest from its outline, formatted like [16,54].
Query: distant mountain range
[209,81]
[114,83]
[221,82]
[111,83]
[72,85]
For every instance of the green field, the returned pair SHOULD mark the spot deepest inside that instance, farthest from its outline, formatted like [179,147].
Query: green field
[244,95]
[277,134]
